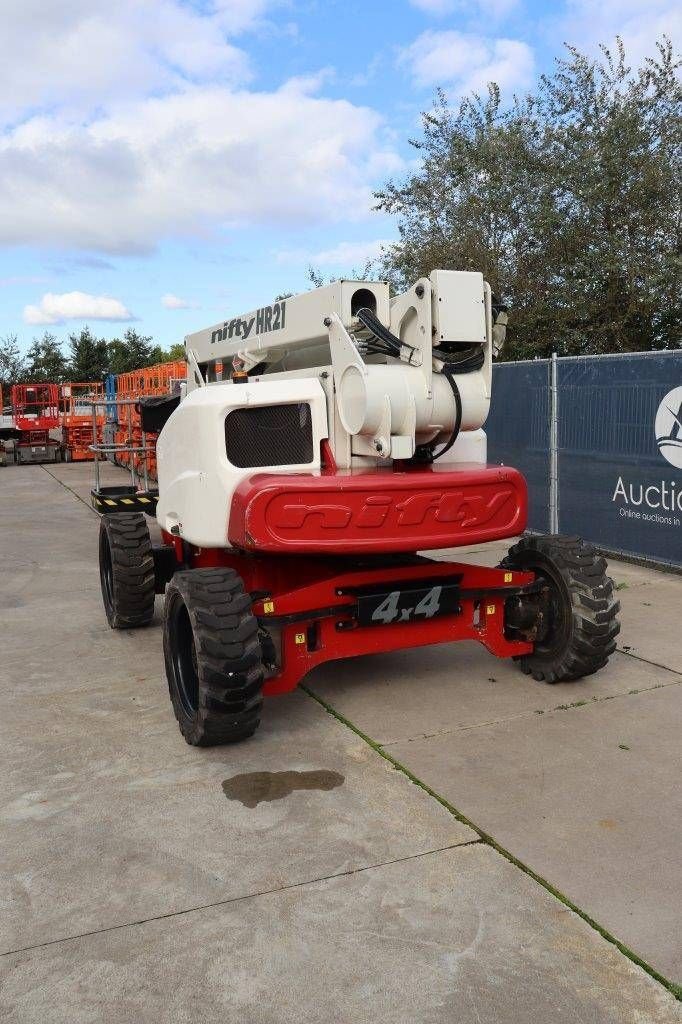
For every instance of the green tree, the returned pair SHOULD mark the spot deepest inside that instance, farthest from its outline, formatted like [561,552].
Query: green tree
[318,280]
[568,200]
[166,355]
[12,363]
[46,361]
[89,356]
[130,352]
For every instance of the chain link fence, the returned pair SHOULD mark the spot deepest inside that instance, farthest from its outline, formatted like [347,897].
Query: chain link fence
[599,439]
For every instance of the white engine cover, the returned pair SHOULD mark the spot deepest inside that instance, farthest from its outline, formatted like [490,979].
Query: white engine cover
[196,480]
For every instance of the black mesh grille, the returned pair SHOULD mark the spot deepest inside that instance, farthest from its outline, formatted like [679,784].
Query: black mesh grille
[269,435]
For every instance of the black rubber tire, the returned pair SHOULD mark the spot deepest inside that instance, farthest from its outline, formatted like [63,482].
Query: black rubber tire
[582,634]
[126,570]
[213,657]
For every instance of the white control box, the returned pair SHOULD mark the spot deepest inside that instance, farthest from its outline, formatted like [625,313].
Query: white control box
[458,306]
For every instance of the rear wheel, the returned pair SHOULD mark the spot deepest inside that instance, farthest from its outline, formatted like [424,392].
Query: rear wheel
[126,570]
[579,622]
[213,656]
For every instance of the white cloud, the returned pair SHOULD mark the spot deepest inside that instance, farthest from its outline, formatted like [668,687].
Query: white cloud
[442,8]
[468,62]
[587,24]
[345,254]
[83,53]
[130,123]
[307,85]
[170,301]
[57,309]
[189,164]
[437,7]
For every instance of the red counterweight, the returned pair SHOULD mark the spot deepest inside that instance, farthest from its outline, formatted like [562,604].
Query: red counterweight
[377,511]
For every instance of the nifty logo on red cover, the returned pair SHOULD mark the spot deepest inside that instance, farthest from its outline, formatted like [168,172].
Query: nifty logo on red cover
[379,512]
[373,511]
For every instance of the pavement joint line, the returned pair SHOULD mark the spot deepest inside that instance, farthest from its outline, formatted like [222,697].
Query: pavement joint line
[647,661]
[69,489]
[586,702]
[236,899]
[489,840]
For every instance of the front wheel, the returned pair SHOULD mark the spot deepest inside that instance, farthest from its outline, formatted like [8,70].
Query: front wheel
[126,570]
[579,613]
[213,656]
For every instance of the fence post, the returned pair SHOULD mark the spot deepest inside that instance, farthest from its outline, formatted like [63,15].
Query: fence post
[553,447]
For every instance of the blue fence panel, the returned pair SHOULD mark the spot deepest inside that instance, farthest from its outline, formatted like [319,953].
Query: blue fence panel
[620,452]
[518,430]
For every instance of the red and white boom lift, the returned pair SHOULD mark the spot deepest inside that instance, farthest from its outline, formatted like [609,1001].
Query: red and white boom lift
[298,502]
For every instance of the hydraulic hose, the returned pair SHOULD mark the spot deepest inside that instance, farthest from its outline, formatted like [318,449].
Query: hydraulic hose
[425,452]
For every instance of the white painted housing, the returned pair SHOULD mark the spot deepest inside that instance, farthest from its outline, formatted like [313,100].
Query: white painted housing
[196,481]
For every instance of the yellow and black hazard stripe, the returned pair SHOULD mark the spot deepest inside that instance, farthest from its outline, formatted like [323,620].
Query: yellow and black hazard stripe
[107,503]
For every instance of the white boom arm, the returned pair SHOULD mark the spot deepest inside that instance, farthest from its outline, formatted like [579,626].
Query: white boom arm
[386,404]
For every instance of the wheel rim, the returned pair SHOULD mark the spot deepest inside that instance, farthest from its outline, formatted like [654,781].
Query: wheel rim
[185,661]
[560,611]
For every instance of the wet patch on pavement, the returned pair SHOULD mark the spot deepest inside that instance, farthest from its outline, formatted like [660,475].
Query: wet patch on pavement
[253,788]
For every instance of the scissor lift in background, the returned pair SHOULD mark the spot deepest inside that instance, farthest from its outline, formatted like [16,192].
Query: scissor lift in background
[6,428]
[35,412]
[123,423]
[79,431]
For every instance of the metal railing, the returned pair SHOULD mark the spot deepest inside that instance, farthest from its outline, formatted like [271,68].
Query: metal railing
[129,447]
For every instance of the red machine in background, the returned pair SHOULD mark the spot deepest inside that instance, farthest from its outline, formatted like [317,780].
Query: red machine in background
[35,412]
[79,430]
[87,413]
[6,428]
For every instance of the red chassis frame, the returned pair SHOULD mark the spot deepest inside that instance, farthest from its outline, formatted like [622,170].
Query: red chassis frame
[290,545]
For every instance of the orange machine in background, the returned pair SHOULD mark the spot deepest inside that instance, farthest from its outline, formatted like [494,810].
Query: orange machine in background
[78,432]
[161,379]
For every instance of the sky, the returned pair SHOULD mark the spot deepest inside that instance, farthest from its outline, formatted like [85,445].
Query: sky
[165,164]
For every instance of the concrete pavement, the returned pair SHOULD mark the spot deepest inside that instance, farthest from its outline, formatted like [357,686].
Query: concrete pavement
[459,936]
[146,880]
[580,781]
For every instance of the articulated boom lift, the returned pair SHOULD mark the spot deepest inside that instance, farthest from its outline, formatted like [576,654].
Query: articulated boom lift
[297,498]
